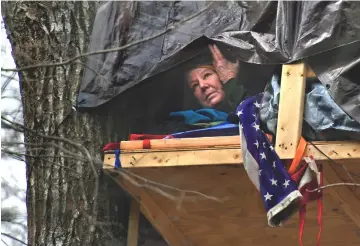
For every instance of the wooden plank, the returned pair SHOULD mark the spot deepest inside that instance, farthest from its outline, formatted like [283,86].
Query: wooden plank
[182,143]
[336,150]
[221,155]
[291,108]
[133,227]
[177,158]
[152,211]
[342,195]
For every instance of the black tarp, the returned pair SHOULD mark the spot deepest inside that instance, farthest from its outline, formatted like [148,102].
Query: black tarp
[325,34]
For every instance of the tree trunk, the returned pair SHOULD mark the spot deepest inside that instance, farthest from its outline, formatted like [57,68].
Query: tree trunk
[62,206]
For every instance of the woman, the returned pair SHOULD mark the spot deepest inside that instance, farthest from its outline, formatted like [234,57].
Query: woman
[215,84]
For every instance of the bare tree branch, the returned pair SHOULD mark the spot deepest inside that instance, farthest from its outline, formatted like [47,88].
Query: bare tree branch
[17,126]
[86,157]
[43,146]
[9,78]
[168,29]
[148,184]
[12,76]
[333,185]
[6,151]
[94,71]
[14,222]
[171,187]
[13,238]
[74,157]
[11,97]
[2,240]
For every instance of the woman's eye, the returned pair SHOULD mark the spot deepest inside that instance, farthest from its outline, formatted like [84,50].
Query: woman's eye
[207,75]
[193,86]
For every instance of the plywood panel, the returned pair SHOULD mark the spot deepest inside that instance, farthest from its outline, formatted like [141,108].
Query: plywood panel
[151,210]
[343,169]
[346,196]
[240,219]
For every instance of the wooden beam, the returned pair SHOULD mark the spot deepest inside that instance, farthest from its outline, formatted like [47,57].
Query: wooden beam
[177,158]
[152,211]
[221,155]
[291,108]
[346,200]
[183,143]
[133,227]
[336,150]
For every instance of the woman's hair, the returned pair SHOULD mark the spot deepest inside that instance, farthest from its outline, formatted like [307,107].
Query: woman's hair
[209,66]
[202,59]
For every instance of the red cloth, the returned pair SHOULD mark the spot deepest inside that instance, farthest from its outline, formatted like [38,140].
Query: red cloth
[309,182]
[145,137]
[111,146]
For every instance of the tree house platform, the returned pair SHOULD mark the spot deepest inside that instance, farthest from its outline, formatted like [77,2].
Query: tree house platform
[222,206]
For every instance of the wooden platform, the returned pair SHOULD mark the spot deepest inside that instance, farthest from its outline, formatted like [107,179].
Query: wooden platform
[233,213]
[240,219]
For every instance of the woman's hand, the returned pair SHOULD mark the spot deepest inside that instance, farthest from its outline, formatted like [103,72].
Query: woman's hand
[224,68]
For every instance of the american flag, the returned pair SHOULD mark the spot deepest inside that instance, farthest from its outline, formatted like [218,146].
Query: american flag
[279,192]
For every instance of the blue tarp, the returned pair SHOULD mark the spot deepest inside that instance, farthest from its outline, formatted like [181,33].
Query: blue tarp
[205,115]
[323,118]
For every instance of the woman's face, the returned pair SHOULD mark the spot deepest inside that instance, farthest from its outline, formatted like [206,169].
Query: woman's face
[206,86]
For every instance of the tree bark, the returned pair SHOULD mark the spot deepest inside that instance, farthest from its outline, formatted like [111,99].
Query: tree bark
[62,206]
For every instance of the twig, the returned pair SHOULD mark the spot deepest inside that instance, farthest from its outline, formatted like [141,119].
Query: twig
[171,187]
[12,221]
[20,127]
[7,81]
[337,163]
[165,186]
[65,140]
[332,185]
[10,97]
[13,238]
[94,71]
[76,157]
[43,146]
[157,190]
[16,157]
[17,126]
[109,50]
[2,240]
